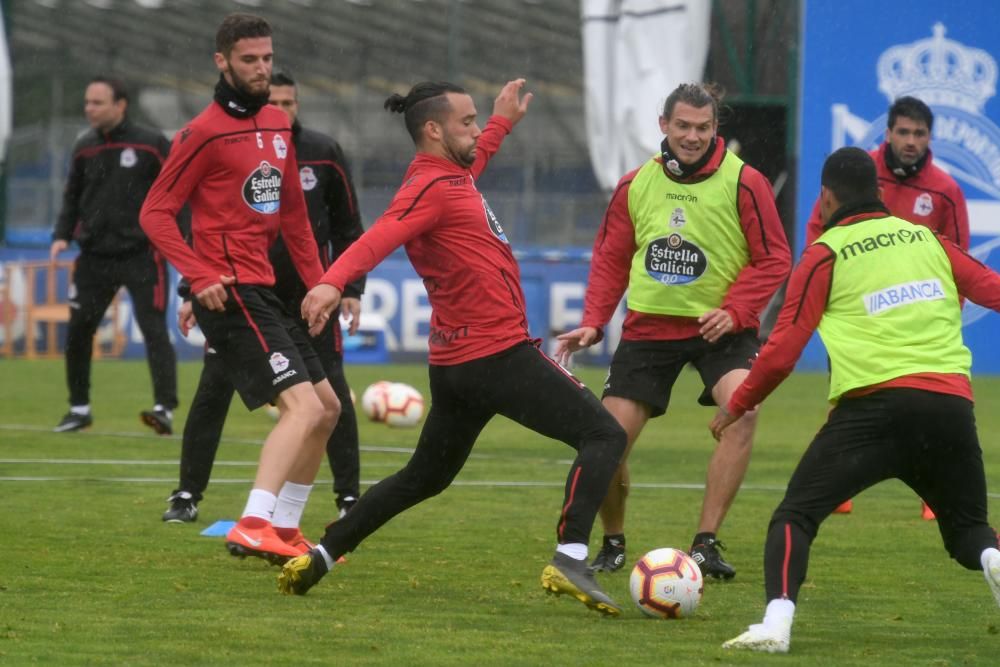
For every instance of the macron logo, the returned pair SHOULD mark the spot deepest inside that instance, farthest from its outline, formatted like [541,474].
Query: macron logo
[886,299]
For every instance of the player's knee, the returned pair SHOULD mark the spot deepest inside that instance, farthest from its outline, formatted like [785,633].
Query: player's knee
[331,408]
[614,435]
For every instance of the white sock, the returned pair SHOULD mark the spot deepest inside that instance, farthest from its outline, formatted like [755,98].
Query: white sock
[80,409]
[329,560]
[779,613]
[575,550]
[988,553]
[291,503]
[260,504]
[159,408]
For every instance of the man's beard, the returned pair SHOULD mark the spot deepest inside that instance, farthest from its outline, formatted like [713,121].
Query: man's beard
[464,159]
[244,88]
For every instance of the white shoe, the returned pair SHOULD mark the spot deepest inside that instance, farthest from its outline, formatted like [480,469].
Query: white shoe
[763,638]
[992,574]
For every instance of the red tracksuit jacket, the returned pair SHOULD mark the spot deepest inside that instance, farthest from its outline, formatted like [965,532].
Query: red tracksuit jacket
[458,247]
[241,179]
[930,197]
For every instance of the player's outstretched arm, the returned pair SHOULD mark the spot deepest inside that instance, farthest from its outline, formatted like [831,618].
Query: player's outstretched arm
[510,104]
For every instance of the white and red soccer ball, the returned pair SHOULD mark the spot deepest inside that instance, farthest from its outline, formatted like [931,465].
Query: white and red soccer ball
[393,403]
[666,583]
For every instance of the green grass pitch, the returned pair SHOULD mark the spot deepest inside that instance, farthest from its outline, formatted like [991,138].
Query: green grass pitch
[89,575]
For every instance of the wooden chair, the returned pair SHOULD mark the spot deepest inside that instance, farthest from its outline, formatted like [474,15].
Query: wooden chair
[48,308]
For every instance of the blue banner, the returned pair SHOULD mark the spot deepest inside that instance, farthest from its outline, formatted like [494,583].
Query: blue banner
[395,311]
[857,57]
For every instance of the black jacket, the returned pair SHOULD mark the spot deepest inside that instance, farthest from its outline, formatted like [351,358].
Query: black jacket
[109,177]
[333,211]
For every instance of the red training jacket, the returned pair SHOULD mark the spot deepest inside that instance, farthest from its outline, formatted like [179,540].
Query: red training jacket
[614,247]
[805,302]
[930,197]
[458,247]
[241,179]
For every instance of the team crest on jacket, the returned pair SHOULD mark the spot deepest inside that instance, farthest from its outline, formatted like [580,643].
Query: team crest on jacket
[923,205]
[128,157]
[494,223]
[308,178]
[673,261]
[280,147]
[262,189]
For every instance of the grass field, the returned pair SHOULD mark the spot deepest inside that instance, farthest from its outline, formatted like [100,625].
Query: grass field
[89,575]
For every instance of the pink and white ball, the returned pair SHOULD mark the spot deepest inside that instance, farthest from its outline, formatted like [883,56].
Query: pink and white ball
[393,403]
[666,583]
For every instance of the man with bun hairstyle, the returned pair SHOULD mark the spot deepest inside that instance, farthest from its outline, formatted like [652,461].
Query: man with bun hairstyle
[235,165]
[483,361]
[885,296]
[695,238]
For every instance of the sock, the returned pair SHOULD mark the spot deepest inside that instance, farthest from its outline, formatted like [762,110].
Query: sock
[80,409]
[575,550]
[159,408]
[779,613]
[260,504]
[291,503]
[326,557]
[702,538]
[988,554]
[616,540]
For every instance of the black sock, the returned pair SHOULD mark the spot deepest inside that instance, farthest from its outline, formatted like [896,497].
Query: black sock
[702,538]
[617,540]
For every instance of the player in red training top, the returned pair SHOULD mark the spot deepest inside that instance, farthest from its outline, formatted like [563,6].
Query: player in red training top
[235,165]
[885,296]
[913,188]
[483,361]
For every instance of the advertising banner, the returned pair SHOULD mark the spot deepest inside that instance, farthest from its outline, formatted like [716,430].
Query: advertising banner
[859,56]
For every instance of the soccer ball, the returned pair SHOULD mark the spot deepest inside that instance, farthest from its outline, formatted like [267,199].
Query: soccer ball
[373,401]
[666,583]
[393,403]
[404,406]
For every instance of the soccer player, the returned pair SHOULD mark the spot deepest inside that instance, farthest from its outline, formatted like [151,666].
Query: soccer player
[695,238]
[113,167]
[235,164]
[336,223]
[885,296]
[483,361]
[913,188]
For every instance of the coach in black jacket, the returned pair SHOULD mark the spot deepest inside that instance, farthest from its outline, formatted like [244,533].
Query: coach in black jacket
[114,164]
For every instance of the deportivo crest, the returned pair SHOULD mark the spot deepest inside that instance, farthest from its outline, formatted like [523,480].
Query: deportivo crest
[128,157]
[278,361]
[923,205]
[494,223]
[262,189]
[308,178]
[280,147]
[677,219]
[672,260]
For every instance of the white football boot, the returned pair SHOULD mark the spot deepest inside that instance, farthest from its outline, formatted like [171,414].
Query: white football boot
[991,571]
[770,638]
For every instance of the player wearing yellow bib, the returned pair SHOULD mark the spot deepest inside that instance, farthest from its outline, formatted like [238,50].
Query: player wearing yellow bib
[695,238]
[885,296]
